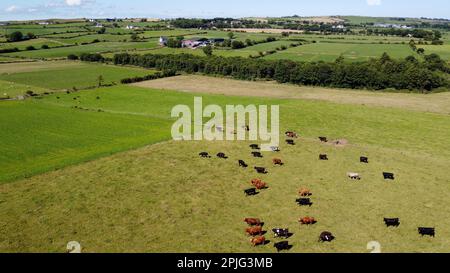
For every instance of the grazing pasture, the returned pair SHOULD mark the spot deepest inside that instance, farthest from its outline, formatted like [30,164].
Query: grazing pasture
[12,90]
[68,75]
[166,198]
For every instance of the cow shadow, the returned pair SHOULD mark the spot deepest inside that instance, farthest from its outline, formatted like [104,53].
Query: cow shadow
[289,247]
[267,242]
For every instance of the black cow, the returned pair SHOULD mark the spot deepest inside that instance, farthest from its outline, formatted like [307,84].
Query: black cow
[204,154]
[427,231]
[280,246]
[222,155]
[242,164]
[392,222]
[326,236]
[323,157]
[304,202]
[250,192]
[323,139]
[247,128]
[254,146]
[290,142]
[257,154]
[261,170]
[388,176]
[279,232]
[364,159]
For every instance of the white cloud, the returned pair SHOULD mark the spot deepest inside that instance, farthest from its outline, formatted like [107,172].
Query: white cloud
[374,2]
[11,8]
[73,2]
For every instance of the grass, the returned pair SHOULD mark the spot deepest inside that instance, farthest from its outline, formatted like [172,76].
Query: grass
[163,198]
[43,137]
[330,51]
[63,52]
[12,90]
[434,103]
[78,75]
[36,43]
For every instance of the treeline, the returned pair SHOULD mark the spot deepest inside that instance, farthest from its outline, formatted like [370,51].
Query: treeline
[216,23]
[9,50]
[375,74]
[157,75]
[416,33]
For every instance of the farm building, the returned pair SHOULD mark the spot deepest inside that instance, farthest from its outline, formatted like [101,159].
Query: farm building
[131,27]
[200,42]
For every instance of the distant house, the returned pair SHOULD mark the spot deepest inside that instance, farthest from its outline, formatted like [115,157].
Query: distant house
[44,23]
[339,27]
[163,41]
[200,42]
[99,25]
[131,27]
[195,43]
[392,26]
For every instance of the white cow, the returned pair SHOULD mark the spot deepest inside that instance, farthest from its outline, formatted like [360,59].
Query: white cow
[354,176]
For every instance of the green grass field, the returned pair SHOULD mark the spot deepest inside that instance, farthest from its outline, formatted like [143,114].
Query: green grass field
[331,51]
[12,90]
[98,166]
[67,75]
[163,198]
[62,52]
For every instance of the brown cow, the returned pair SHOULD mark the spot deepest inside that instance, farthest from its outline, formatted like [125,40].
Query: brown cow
[307,221]
[253,231]
[260,240]
[277,161]
[304,192]
[252,221]
[260,185]
[256,181]
[291,134]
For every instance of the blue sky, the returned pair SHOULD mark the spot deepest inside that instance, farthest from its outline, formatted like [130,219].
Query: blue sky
[42,9]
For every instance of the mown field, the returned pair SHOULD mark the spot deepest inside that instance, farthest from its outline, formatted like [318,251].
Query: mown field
[164,198]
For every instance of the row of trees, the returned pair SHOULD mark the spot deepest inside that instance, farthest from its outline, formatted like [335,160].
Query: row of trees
[157,75]
[18,36]
[427,35]
[375,74]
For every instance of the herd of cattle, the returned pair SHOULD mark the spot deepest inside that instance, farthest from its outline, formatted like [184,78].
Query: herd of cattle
[255,225]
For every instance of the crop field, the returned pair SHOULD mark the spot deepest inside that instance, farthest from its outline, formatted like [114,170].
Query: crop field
[67,75]
[167,189]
